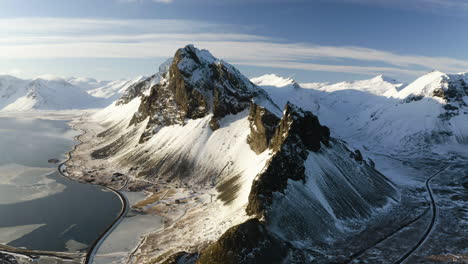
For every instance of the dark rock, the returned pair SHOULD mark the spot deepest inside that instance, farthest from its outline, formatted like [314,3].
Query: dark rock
[439,93]
[214,124]
[247,243]
[196,85]
[450,107]
[358,155]
[413,98]
[55,161]
[137,89]
[297,133]
[262,128]
[7,259]
[133,91]
[300,126]
[182,258]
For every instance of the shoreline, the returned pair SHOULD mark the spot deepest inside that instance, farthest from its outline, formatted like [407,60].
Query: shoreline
[89,254]
[123,199]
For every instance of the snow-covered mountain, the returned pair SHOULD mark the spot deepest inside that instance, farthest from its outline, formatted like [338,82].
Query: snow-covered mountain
[386,114]
[50,92]
[199,122]
[43,94]
[11,89]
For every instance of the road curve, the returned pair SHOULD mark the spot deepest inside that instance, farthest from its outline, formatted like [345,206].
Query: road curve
[429,229]
[125,206]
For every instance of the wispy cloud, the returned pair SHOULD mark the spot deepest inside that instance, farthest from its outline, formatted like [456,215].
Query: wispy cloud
[163,1]
[113,38]
[14,72]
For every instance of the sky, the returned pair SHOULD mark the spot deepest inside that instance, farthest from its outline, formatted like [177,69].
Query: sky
[308,40]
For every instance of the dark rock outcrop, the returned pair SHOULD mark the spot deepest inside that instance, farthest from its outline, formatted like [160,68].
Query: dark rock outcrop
[262,127]
[452,90]
[298,132]
[138,89]
[247,243]
[182,258]
[357,155]
[134,91]
[196,84]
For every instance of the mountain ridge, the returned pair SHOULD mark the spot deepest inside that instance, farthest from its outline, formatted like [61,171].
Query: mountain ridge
[175,129]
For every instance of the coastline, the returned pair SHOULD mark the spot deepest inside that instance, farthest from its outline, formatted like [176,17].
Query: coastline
[123,199]
[75,257]
[78,166]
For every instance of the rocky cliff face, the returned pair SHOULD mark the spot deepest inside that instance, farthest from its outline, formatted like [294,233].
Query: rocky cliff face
[195,85]
[248,243]
[453,90]
[143,87]
[296,133]
[263,124]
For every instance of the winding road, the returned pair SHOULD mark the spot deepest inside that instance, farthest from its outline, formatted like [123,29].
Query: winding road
[429,228]
[423,238]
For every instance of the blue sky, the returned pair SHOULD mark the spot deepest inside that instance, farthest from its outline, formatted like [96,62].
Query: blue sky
[309,40]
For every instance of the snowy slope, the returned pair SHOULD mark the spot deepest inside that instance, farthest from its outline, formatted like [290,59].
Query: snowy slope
[113,90]
[379,85]
[11,89]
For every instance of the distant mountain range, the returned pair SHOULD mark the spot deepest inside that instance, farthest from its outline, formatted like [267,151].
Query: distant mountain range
[382,113]
[54,93]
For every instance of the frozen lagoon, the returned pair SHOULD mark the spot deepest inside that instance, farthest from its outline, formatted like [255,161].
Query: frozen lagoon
[40,209]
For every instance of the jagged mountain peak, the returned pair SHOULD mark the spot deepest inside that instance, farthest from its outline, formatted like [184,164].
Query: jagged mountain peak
[189,56]
[191,85]
[197,66]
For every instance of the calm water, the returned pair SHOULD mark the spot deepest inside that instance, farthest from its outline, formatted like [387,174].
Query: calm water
[40,209]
